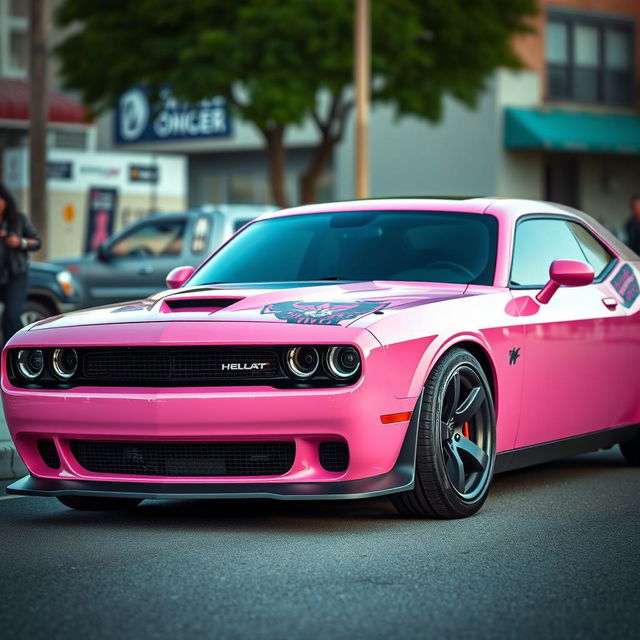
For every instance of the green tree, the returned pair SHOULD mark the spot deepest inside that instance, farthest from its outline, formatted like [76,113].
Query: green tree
[280,62]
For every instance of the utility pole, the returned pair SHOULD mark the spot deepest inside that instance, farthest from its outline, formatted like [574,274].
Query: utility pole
[38,111]
[362,79]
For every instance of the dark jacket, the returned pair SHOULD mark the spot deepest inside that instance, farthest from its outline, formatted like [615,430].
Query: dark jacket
[633,234]
[14,262]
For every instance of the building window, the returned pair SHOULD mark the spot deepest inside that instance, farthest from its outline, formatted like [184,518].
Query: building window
[14,41]
[70,139]
[589,59]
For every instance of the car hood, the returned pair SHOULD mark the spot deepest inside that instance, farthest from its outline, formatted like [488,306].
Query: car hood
[332,304]
[45,267]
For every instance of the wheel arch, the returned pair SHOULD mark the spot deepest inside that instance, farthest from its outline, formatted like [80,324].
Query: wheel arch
[44,298]
[476,346]
[482,356]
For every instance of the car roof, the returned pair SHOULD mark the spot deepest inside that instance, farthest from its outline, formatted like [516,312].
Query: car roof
[507,210]
[228,210]
[507,207]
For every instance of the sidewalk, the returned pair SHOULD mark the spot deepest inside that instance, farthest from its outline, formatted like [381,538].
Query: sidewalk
[11,466]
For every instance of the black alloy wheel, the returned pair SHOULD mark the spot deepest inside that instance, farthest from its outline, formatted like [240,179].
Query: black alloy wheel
[456,441]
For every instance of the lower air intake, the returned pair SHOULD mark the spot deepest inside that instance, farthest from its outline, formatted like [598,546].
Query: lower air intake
[49,453]
[334,456]
[182,459]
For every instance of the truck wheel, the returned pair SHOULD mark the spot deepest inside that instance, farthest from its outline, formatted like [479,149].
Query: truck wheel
[34,311]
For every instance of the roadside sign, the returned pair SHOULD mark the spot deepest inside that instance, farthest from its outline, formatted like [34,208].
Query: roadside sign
[138,120]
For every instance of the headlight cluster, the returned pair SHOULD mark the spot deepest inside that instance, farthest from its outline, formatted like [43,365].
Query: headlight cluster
[280,366]
[305,363]
[33,364]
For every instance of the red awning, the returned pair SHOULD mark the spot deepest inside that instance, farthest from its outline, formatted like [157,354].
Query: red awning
[14,104]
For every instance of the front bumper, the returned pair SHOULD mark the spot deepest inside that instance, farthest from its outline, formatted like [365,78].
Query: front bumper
[306,417]
[400,478]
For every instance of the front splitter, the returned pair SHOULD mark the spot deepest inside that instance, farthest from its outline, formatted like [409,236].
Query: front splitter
[391,482]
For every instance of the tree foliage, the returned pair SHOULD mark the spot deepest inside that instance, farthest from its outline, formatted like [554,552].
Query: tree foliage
[280,62]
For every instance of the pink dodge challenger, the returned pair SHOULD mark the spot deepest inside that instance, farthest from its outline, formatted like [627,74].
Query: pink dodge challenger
[404,347]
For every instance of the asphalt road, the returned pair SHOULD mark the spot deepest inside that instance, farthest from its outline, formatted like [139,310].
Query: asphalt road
[555,553]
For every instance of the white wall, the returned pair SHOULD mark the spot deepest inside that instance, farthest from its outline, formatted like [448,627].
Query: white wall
[606,185]
[520,174]
[67,199]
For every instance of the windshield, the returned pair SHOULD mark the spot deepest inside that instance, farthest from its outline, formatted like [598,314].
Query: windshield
[422,246]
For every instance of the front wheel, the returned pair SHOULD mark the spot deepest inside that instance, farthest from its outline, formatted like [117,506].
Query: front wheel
[91,503]
[456,442]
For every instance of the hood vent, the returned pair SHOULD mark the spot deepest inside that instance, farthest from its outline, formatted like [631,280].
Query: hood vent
[207,305]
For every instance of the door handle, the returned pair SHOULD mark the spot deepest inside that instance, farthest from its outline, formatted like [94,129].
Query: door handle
[145,271]
[610,303]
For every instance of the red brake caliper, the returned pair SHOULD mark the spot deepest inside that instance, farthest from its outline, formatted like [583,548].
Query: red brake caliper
[465,430]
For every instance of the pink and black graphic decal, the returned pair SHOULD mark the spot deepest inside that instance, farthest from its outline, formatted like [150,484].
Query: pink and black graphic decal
[299,312]
[626,285]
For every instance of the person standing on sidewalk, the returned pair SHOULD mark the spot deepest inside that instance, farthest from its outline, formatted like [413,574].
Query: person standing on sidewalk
[633,224]
[17,237]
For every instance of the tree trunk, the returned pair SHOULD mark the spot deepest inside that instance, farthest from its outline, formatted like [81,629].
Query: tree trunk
[276,156]
[309,179]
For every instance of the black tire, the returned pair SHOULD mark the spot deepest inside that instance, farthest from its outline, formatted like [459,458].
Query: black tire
[34,311]
[92,503]
[456,442]
[631,450]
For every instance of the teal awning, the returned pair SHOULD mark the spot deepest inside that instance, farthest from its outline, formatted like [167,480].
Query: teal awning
[558,130]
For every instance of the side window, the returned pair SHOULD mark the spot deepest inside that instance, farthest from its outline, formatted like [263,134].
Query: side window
[153,238]
[240,222]
[201,233]
[594,253]
[538,243]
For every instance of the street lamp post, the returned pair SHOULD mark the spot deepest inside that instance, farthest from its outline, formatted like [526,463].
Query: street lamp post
[363,89]
[38,108]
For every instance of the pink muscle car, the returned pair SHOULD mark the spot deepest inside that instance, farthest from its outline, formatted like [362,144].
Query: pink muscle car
[404,347]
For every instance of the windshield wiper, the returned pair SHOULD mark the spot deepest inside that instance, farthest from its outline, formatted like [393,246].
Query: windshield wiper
[338,278]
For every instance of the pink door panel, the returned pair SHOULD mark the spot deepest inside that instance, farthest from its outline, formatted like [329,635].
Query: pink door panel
[576,365]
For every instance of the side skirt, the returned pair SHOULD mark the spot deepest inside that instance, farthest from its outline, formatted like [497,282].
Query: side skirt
[565,448]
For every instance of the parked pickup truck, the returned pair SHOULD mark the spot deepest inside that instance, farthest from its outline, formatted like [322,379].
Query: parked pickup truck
[134,262]
[51,290]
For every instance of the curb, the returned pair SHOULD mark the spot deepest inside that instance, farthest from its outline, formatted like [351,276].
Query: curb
[11,465]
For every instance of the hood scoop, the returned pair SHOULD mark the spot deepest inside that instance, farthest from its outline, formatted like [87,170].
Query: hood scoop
[203,305]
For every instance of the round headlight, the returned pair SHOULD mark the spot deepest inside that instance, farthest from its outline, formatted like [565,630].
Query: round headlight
[343,362]
[64,363]
[302,361]
[30,363]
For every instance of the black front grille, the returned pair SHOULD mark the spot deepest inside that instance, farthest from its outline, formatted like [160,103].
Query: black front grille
[182,459]
[178,365]
[334,456]
[49,453]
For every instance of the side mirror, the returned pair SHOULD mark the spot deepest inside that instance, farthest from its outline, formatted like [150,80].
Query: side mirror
[103,253]
[568,273]
[178,276]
